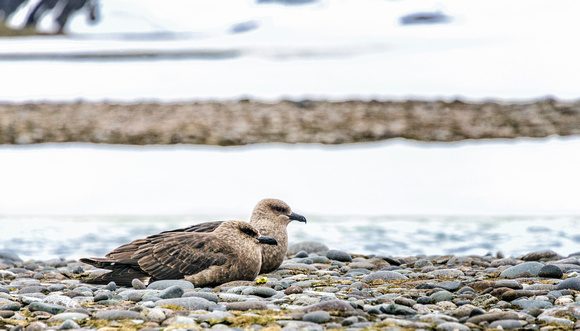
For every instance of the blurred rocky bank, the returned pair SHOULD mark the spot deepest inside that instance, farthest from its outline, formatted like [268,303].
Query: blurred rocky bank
[249,122]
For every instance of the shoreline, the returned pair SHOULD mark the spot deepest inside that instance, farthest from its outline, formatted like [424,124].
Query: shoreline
[314,289]
[243,122]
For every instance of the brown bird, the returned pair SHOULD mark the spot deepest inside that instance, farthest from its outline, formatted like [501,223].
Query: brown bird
[270,217]
[230,252]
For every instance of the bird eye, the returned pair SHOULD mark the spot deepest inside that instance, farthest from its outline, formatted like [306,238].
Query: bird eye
[249,232]
[279,209]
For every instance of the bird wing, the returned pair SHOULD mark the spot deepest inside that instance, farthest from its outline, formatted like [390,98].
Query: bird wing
[124,253]
[201,227]
[175,255]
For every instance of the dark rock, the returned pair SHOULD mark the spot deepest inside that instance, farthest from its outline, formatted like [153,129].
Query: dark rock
[550,271]
[301,254]
[47,307]
[337,255]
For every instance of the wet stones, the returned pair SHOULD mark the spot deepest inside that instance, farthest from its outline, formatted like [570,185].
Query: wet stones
[527,269]
[433,293]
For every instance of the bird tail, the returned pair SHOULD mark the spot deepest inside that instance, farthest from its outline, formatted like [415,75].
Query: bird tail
[122,274]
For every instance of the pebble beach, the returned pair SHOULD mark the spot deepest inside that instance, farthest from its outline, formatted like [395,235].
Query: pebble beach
[316,288]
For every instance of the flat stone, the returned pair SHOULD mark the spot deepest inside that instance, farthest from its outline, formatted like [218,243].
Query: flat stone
[247,305]
[216,316]
[318,317]
[452,326]
[330,306]
[449,285]
[490,317]
[206,295]
[119,315]
[569,284]
[507,324]
[526,269]
[541,255]
[61,300]
[299,325]
[9,305]
[297,266]
[191,303]
[309,247]
[531,304]
[556,320]
[446,273]
[69,325]
[383,275]
[163,284]
[171,292]
[156,315]
[509,283]
[69,316]
[46,307]
[442,296]
[337,255]
[264,292]
[396,309]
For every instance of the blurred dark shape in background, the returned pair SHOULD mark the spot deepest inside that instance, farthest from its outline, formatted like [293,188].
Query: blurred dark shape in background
[66,9]
[425,18]
[244,26]
[8,7]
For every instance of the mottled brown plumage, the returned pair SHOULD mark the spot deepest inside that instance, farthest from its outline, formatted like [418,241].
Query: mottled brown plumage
[270,217]
[230,252]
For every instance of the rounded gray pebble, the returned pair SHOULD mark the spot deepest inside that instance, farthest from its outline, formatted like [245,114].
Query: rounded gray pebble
[137,284]
[171,292]
[569,284]
[318,317]
[452,326]
[337,255]
[69,325]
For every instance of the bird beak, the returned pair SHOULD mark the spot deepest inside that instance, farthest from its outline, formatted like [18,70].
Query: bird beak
[267,240]
[297,217]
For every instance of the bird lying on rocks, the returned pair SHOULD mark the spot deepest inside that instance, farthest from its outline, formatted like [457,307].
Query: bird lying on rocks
[270,217]
[230,252]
